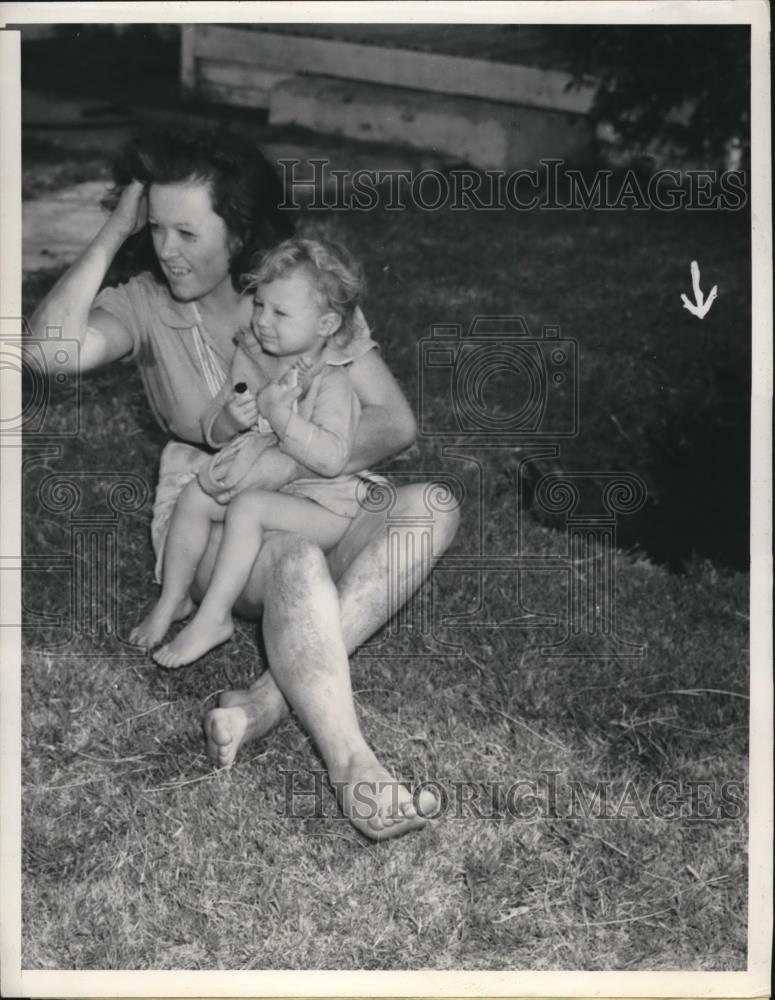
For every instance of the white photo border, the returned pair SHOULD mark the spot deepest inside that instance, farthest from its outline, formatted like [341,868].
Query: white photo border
[755,981]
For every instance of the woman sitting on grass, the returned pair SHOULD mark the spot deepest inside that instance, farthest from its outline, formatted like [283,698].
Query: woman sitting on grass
[196,207]
[304,309]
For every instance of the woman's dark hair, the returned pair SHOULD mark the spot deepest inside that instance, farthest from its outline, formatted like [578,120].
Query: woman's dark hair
[244,188]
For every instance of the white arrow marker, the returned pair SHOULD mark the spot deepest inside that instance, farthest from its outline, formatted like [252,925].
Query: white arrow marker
[701,305]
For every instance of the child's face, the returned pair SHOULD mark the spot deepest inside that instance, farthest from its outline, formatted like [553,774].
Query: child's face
[287,315]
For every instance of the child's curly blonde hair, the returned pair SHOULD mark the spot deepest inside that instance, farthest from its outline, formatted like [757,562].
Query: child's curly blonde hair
[336,274]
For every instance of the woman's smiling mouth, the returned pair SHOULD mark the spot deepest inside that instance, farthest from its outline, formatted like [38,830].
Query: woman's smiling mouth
[177,272]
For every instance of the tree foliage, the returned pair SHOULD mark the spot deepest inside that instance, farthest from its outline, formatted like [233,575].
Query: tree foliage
[686,85]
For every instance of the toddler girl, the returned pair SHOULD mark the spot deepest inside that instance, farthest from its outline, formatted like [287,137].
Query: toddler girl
[287,386]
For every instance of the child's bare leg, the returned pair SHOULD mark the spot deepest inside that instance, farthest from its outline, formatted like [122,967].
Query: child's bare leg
[186,543]
[248,516]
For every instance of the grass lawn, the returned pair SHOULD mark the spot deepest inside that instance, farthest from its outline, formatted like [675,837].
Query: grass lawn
[136,855]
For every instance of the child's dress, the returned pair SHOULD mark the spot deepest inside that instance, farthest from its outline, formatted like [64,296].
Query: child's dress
[319,435]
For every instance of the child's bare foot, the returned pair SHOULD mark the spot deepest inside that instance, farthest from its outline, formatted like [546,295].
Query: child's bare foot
[155,625]
[202,634]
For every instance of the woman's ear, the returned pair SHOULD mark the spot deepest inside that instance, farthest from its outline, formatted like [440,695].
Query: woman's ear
[235,247]
[329,323]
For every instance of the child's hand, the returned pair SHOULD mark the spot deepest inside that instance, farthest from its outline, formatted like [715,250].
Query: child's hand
[242,409]
[275,401]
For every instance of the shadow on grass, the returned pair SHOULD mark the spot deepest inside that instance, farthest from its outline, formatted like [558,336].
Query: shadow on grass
[700,466]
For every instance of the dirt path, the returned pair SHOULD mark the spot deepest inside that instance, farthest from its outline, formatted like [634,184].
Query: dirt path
[56,227]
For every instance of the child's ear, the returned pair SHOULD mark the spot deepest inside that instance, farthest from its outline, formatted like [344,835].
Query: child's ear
[329,324]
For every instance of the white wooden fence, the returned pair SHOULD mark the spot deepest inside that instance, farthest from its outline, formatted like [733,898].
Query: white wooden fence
[233,65]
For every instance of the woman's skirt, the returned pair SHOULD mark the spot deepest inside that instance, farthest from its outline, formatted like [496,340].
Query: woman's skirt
[179,464]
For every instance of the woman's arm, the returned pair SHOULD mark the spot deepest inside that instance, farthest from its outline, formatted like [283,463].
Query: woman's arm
[68,306]
[387,425]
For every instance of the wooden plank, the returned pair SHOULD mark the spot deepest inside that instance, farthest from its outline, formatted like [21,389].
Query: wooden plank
[241,97]
[187,58]
[511,84]
[233,74]
[523,44]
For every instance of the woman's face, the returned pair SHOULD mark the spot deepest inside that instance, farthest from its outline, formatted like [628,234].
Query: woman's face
[190,240]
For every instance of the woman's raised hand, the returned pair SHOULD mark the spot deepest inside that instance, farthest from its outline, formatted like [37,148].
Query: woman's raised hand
[131,212]
[68,305]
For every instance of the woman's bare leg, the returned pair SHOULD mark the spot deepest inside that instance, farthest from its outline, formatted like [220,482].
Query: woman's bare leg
[309,662]
[360,564]
[187,540]
[318,687]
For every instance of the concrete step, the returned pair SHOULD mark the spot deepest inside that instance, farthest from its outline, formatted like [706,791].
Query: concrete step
[488,135]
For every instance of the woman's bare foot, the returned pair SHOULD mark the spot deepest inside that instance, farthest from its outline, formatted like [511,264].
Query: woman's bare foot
[242,716]
[225,730]
[202,634]
[155,625]
[376,804]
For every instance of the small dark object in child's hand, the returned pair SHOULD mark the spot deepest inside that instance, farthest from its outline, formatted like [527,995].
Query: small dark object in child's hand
[241,387]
